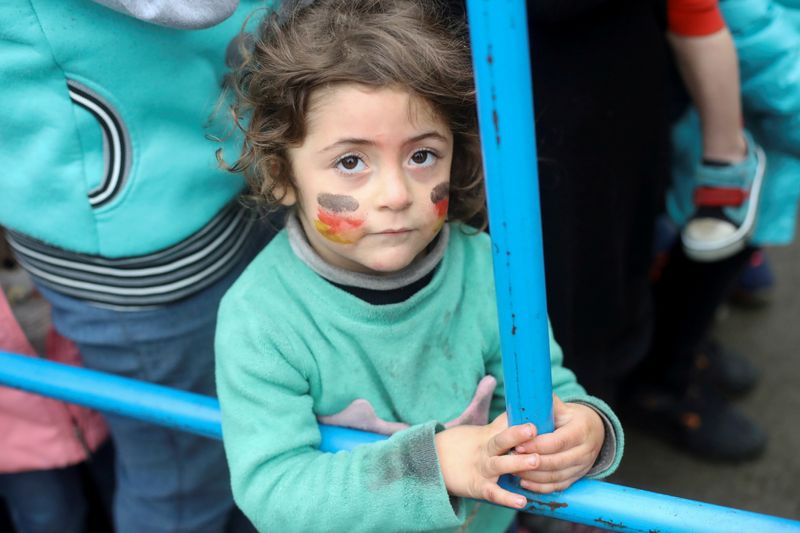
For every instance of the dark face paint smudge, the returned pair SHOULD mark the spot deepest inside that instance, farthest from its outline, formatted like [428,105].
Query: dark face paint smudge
[440,192]
[440,196]
[337,203]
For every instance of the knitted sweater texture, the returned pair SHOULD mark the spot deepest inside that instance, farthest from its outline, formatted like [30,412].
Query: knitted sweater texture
[292,347]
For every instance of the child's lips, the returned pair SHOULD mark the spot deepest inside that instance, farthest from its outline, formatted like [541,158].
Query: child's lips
[395,231]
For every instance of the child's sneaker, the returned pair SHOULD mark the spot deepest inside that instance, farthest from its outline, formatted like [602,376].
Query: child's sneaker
[726,198]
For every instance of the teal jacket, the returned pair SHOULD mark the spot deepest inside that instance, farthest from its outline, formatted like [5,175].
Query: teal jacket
[103,132]
[767,37]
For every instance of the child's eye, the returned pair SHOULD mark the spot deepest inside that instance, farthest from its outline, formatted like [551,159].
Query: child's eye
[423,158]
[350,164]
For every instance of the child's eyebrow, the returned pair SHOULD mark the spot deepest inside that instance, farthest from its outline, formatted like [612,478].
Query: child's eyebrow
[428,135]
[354,140]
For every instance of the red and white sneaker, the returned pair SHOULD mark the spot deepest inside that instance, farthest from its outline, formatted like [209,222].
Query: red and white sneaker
[726,200]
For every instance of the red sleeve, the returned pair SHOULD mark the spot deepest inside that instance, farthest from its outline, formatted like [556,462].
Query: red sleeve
[694,18]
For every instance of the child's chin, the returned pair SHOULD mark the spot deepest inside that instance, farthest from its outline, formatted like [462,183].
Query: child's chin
[388,265]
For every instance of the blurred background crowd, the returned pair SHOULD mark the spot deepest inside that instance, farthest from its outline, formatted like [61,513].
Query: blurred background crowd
[695,350]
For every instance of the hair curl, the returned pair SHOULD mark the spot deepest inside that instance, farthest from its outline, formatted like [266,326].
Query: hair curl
[305,45]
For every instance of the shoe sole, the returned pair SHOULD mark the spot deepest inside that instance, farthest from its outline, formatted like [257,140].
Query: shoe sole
[709,251]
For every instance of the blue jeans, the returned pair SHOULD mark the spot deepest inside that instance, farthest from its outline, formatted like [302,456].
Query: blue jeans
[167,480]
[61,499]
[43,501]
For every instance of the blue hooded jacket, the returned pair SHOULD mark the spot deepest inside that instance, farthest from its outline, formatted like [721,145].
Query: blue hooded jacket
[767,38]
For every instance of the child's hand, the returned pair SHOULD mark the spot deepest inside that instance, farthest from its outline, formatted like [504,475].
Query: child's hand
[566,454]
[472,459]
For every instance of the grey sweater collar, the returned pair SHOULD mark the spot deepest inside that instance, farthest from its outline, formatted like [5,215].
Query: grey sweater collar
[418,268]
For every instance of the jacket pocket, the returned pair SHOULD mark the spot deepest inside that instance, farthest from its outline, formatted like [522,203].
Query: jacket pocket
[116,145]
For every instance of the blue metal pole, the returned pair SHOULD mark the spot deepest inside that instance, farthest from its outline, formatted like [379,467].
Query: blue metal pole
[587,502]
[498,31]
[618,508]
[499,35]
[187,411]
[161,405]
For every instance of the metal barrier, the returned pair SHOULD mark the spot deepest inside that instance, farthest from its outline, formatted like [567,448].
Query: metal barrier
[499,38]
[596,503]
[500,54]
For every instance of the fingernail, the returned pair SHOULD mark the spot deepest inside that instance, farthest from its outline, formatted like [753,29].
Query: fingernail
[519,449]
[521,502]
[528,430]
[534,460]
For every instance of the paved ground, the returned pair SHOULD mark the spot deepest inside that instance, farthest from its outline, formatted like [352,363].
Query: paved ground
[771,484]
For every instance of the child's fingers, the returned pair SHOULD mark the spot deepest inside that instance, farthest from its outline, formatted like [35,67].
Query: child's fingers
[509,438]
[492,492]
[558,441]
[561,461]
[499,423]
[498,465]
[554,476]
[526,447]
[546,488]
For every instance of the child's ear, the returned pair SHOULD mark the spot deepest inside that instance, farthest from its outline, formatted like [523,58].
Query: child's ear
[283,192]
[286,195]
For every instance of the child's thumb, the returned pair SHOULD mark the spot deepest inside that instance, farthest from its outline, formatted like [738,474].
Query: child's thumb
[500,422]
[558,405]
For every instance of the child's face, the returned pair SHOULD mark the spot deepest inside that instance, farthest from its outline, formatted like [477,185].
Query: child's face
[372,177]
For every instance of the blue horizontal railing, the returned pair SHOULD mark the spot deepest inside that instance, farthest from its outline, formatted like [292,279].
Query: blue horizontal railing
[594,503]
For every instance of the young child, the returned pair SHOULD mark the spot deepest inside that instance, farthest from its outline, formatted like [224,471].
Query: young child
[728,181]
[375,308]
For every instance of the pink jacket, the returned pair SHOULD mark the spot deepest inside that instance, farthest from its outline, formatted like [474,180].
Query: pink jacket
[38,433]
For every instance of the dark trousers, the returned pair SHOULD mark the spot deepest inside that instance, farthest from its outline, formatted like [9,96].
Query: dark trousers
[687,297]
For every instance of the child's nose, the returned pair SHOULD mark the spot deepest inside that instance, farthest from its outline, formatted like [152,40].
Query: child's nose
[395,193]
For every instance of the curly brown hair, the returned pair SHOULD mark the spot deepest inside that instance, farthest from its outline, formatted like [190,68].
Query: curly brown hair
[306,45]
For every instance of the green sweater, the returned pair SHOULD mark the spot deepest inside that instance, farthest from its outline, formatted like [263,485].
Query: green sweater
[291,347]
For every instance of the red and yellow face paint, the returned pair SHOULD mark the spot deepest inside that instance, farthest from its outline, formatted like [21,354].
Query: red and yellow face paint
[440,196]
[332,223]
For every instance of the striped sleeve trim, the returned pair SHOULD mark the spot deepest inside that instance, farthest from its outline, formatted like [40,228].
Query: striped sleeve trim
[142,281]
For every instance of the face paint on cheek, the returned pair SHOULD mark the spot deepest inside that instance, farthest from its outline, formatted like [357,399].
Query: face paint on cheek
[334,226]
[440,196]
[337,203]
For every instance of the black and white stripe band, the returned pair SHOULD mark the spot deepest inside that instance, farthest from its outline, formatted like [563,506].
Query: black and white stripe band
[116,143]
[142,281]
